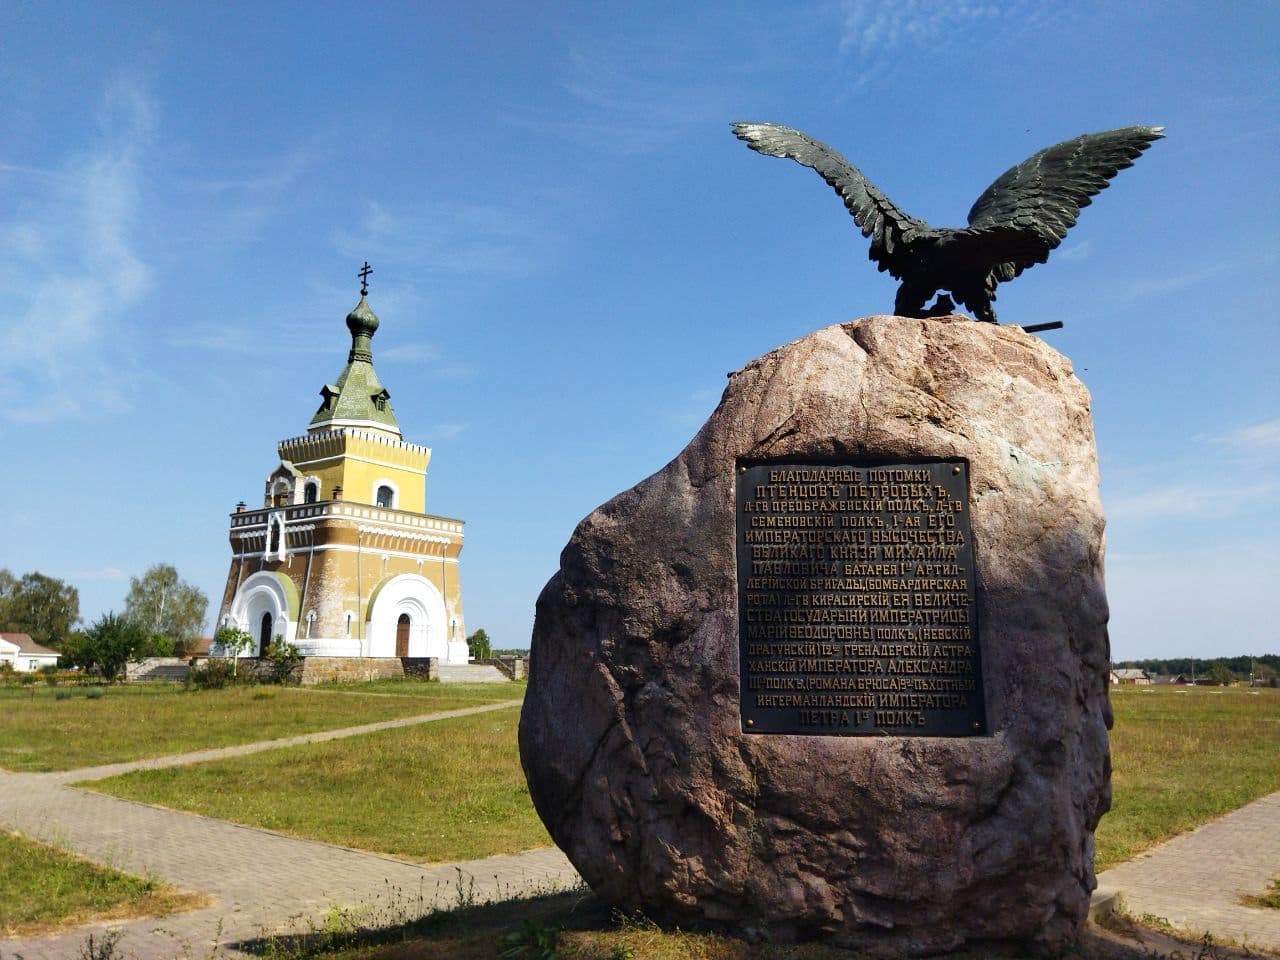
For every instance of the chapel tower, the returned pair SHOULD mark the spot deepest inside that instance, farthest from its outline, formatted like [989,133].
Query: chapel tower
[342,559]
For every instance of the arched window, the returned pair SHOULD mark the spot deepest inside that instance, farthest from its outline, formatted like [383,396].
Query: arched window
[386,496]
[281,493]
[264,634]
[273,537]
[311,491]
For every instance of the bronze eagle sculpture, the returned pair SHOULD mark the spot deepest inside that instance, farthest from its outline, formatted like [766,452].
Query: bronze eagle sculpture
[1022,216]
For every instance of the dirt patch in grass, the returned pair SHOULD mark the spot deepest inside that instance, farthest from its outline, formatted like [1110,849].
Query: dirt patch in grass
[137,721]
[448,790]
[1181,757]
[43,889]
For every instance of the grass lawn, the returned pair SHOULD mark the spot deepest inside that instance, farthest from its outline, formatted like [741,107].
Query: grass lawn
[41,732]
[1182,756]
[448,790]
[42,887]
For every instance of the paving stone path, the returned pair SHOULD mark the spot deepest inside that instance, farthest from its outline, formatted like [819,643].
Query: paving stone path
[259,881]
[1195,880]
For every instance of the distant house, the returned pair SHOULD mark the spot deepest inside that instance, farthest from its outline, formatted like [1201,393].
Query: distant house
[22,653]
[1130,677]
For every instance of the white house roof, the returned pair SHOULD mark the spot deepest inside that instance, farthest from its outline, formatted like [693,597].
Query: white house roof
[22,643]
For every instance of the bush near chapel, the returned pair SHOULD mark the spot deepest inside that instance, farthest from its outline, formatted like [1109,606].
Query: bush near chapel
[109,643]
[478,646]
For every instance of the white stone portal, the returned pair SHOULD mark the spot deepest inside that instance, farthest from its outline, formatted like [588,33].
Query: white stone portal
[262,596]
[417,599]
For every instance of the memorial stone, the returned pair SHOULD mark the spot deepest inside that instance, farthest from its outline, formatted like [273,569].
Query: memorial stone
[838,671]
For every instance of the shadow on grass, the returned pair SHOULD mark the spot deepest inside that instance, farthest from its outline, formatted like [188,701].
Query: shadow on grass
[576,925]
[399,926]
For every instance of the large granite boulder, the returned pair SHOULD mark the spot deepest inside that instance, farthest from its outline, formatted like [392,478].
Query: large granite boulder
[631,735]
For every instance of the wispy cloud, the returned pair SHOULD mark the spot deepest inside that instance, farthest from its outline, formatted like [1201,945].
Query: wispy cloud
[293,336]
[71,250]
[1204,501]
[447,237]
[1264,435]
[229,211]
[877,34]
[877,28]
[446,431]
[101,573]
[1223,483]
[1076,251]
[409,353]
[697,407]
[637,97]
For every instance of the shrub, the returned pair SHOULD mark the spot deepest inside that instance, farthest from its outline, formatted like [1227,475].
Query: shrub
[212,674]
[283,657]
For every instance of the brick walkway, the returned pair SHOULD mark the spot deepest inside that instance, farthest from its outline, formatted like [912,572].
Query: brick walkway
[260,882]
[1194,881]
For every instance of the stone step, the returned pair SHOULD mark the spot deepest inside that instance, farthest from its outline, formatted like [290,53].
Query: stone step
[158,668]
[471,673]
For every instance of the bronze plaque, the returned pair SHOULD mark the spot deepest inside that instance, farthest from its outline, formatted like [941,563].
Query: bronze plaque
[857,612]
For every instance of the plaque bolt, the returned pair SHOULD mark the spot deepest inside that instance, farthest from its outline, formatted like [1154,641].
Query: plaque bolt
[977,725]
[751,723]
[742,469]
[955,469]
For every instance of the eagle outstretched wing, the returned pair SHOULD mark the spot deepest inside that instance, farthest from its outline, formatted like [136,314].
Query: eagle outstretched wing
[1044,194]
[875,214]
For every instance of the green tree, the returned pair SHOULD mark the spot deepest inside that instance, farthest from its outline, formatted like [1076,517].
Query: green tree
[233,642]
[478,646]
[45,608]
[165,605]
[1220,675]
[107,645]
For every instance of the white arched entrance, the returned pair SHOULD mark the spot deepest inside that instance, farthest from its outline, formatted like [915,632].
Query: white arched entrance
[261,606]
[416,598]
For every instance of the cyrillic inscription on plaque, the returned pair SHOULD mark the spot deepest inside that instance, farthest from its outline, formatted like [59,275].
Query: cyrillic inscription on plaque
[857,610]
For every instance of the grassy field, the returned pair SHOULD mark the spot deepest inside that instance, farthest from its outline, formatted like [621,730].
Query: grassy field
[1183,756]
[42,888]
[53,728]
[448,790]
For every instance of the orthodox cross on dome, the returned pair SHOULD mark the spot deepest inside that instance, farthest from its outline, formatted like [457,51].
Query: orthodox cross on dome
[364,278]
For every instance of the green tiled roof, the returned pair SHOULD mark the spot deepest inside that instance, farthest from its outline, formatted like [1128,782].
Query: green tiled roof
[358,396]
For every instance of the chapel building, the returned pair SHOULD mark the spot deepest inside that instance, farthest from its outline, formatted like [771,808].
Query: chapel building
[343,560]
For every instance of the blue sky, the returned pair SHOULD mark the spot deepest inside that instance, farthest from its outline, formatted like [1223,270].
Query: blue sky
[571,250]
